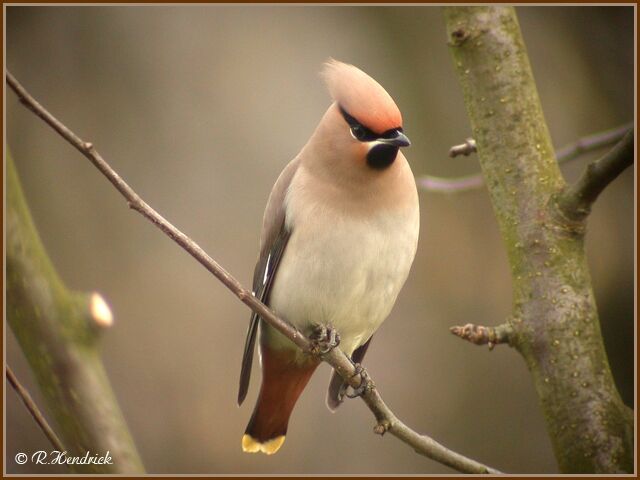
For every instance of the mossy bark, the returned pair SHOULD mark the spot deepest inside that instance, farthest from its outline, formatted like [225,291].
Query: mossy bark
[554,319]
[59,336]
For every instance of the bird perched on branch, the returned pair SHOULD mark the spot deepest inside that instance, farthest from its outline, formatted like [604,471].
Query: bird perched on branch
[339,236]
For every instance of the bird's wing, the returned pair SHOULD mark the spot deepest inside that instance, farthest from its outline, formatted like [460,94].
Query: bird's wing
[273,242]
[335,385]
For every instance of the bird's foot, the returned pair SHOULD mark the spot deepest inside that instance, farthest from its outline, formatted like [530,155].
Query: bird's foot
[324,338]
[366,384]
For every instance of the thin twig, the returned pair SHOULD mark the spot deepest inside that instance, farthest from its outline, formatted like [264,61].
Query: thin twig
[450,185]
[570,152]
[575,203]
[592,142]
[336,358]
[481,335]
[34,410]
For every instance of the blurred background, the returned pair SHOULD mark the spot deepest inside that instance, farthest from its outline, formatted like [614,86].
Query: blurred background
[199,108]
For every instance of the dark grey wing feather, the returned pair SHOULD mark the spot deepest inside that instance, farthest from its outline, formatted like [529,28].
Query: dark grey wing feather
[336,383]
[273,241]
[263,276]
[247,358]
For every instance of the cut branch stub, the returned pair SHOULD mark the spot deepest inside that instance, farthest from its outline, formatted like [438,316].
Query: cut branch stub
[466,149]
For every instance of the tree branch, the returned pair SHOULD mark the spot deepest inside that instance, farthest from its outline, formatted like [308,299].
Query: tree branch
[34,410]
[570,152]
[575,203]
[481,335]
[59,333]
[466,149]
[386,420]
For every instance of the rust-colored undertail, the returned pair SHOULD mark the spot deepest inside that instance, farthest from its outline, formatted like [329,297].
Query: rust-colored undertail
[283,380]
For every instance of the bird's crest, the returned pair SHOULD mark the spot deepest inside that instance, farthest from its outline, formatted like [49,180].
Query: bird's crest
[361,96]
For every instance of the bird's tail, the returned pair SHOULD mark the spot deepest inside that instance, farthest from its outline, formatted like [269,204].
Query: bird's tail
[283,379]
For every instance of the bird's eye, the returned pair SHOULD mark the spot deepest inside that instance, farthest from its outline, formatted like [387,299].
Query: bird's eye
[358,132]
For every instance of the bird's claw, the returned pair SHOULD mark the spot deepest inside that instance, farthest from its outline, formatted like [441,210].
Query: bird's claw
[366,384]
[324,338]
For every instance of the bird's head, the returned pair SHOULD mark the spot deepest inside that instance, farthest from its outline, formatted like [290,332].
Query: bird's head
[363,125]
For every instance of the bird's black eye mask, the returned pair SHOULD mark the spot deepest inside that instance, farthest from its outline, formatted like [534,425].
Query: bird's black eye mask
[362,133]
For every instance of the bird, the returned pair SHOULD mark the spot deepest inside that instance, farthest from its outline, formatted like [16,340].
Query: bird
[339,235]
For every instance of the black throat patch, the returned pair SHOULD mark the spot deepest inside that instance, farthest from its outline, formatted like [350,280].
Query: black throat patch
[382,156]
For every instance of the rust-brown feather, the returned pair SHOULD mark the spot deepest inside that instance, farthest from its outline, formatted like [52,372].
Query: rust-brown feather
[283,379]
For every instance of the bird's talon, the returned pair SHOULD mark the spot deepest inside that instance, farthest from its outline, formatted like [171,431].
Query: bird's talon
[324,338]
[342,392]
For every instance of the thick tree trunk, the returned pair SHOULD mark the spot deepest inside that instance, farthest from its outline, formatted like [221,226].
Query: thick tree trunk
[554,319]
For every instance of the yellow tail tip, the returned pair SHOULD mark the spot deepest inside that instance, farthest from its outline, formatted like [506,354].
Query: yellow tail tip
[251,445]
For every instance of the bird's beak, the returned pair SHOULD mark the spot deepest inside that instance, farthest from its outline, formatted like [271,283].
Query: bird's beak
[398,140]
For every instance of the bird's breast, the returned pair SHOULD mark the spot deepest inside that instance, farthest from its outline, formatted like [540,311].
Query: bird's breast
[344,271]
